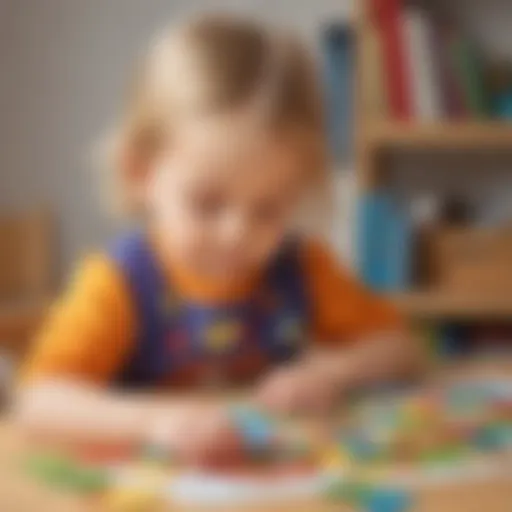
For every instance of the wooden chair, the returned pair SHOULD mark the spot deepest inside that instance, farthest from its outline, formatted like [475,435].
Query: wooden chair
[26,260]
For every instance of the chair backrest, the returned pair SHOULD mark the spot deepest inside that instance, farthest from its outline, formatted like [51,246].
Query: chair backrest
[26,255]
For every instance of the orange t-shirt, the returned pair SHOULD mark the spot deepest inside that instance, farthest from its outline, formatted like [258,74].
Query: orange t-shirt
[91,330]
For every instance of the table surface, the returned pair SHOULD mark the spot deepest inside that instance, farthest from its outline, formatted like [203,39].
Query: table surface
[19,494]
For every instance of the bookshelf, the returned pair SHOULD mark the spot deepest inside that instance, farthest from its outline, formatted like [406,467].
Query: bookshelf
[467,135]
[434,305]
[376,137]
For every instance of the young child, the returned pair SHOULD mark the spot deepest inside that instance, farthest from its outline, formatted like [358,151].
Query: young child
[220,153]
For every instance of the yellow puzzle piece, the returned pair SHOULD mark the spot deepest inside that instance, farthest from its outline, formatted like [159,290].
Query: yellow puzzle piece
[131,500]
[222,335]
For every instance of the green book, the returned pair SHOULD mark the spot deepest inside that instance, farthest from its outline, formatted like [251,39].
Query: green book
[469,72]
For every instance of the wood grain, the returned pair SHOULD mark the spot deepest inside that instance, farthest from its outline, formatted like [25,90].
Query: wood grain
[487,135]
[27,254]
[18,494]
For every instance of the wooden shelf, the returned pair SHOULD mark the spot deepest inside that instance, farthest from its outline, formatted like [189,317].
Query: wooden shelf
[441,305]
[377,137]
[463,135]
[18,322]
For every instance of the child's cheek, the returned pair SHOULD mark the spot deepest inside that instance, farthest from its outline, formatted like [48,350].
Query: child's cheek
[164,198]
[168,210]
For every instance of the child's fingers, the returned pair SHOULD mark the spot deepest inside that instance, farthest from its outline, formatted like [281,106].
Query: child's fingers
[267,392]
[199,432]
[304,394]
[318,401]
[273,390]
[224,451]
[282,393]
[216,447]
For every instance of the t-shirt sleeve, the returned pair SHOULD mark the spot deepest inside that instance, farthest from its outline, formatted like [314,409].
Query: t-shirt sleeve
[89,331]
[342,309]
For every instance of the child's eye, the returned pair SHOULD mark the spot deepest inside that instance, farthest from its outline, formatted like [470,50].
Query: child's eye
[269,211]
[208,204]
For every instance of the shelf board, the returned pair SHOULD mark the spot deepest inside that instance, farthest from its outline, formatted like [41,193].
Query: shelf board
[432,304]
[459,135]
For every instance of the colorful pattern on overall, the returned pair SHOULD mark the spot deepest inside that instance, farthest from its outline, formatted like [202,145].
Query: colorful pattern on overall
[181,341]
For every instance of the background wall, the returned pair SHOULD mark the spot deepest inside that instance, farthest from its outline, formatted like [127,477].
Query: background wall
[64,67]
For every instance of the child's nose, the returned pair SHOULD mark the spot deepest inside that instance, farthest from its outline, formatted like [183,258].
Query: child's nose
[235,230]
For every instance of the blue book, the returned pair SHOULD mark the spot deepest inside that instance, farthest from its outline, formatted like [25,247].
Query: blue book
[371,239]
[338,46]
[384,239]
[398,259]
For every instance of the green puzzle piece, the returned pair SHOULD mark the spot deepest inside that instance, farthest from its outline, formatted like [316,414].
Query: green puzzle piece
[51,469]
[59,471]
[354,493]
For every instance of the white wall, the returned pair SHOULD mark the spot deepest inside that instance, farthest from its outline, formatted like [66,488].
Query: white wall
[64,68]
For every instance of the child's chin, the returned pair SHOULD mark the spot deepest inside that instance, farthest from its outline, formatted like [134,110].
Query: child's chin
[229,269]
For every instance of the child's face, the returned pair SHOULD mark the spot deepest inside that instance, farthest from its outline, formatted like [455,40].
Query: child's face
[223,196]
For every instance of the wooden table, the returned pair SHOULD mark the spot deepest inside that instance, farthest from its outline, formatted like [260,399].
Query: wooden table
[18,494]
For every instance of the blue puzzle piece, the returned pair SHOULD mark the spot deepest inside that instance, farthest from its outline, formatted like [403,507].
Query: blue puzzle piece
[360,447]
[388,500]
[256,428]
[494,437]
[466,397]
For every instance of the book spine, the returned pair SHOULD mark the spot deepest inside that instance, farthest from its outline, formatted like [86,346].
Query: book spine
[452,95]
[339,48]
[384,243]
[370,241]
[390,21]
[474,79]
[398,249]
[468,76]
[425,85]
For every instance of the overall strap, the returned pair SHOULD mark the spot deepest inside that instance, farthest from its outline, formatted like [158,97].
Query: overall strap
[134,257]
[286,274]
[287,327]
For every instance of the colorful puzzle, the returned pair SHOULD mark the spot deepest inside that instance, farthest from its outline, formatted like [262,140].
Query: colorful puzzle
[380,449]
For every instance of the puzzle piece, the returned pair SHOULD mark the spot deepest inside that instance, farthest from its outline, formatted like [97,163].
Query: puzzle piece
[388,500]
[360,448]
[258,431]
[47,468]
[335,459]
[351,492]
[62,472]
[130,500]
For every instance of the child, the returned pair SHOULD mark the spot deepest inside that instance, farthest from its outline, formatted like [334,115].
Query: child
[221,148]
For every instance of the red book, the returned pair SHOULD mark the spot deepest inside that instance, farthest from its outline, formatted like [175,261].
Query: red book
[388,15]
[456,104]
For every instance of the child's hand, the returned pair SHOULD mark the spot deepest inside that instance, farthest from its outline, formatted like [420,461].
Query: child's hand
[202,435]
[310,386]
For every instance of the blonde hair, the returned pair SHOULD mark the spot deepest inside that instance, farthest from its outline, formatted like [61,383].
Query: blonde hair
[212,65]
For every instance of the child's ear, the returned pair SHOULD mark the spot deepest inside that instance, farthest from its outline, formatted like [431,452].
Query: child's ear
[134,164]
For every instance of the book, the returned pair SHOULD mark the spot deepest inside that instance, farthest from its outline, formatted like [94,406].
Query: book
[452,93]
[426,94]
[371,239]
[338,44]
[469,75]
[387,14]
[383,243]
[398,247]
